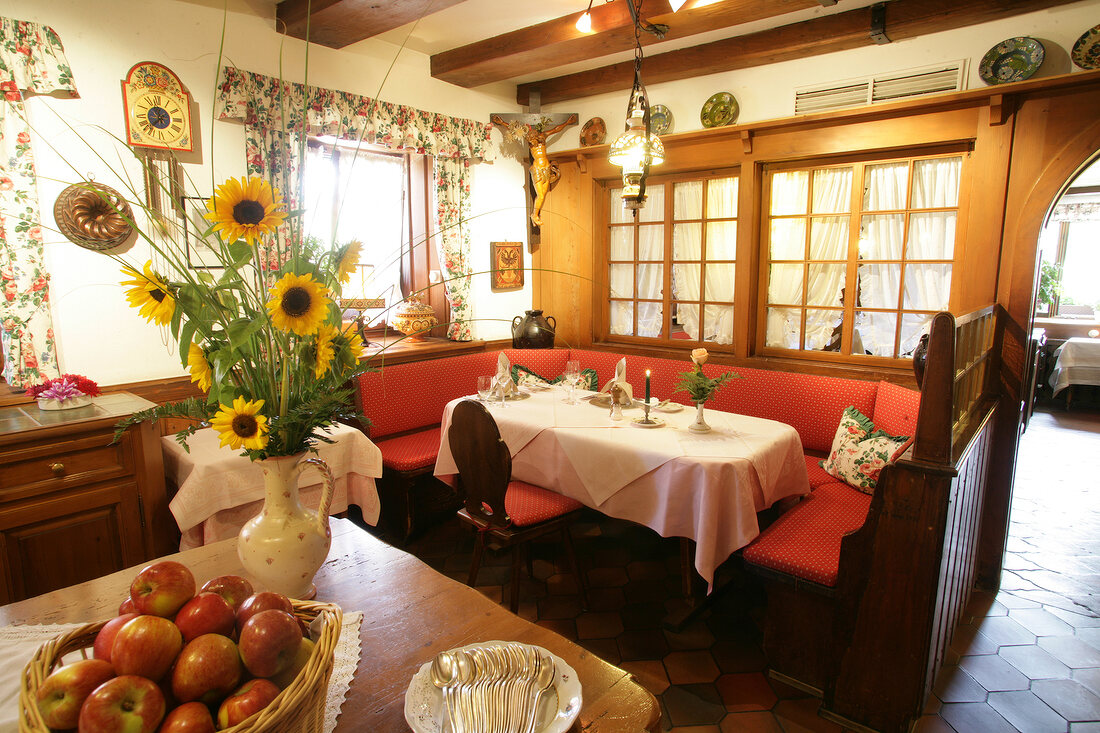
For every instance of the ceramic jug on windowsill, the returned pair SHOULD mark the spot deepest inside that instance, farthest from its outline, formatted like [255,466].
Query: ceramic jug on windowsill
[533,331]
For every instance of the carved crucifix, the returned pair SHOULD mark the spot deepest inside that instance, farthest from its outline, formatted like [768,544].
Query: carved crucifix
[535,129]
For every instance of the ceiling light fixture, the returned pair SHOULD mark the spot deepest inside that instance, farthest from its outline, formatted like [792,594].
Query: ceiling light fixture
[676,4]
[636,149]
[584,23]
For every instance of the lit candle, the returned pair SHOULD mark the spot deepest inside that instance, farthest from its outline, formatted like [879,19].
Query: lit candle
[647,386]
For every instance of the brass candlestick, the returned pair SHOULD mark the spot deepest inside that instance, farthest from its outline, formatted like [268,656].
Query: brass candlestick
[646,420]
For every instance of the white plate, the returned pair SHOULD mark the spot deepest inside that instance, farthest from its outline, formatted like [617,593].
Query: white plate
[560,705]
[669,407]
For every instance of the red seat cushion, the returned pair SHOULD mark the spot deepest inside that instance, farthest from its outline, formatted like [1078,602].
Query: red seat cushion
[528,504]
[818,475]
[805,542]
[410,452]
[896,409]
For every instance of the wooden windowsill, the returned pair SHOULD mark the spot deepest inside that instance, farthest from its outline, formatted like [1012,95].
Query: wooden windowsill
[397,350]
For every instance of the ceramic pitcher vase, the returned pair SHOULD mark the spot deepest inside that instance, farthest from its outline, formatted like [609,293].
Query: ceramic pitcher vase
[284,545]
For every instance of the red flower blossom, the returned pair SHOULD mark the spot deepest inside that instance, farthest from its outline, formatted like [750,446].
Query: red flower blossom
[23,137]
[11,92]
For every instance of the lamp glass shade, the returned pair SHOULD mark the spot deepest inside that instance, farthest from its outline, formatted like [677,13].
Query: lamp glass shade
[584,23]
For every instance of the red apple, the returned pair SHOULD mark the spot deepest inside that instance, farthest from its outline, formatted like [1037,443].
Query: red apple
[127,606]
[263,601]
[206,613]
[269,641]
[297,664]
[162,588]
[207,670]
[101,649]
[233,588]
[128,703]
[64,691]
[191,717]
[146,646]
[252,697]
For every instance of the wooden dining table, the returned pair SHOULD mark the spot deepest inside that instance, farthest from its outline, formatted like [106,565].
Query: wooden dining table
[410,613]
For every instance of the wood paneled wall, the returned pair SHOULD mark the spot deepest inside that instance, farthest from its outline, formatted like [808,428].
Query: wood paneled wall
[1024,142]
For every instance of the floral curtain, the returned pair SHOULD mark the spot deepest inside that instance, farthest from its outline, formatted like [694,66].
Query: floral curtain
[452,178]
[1082,211]
[276,113]
[31,59]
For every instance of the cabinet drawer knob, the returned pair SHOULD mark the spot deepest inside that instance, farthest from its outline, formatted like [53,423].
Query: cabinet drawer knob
[58,469]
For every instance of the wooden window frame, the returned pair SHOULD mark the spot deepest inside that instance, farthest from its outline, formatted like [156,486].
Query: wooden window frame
[418,256]
[602,319]
[859,165]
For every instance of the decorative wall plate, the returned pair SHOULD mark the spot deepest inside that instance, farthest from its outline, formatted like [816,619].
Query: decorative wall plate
[594,132]
[1086,50]
[94,216]
[1013,59]
[660,119]
[720,110]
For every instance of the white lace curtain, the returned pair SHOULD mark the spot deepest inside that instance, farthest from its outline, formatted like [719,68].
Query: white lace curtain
[687,254]
[931,236]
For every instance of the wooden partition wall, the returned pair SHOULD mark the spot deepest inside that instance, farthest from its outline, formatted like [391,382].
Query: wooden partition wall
[906,575]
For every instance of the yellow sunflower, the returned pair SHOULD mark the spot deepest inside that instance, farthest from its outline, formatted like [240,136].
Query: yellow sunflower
[323,351]
[346,268]
[201,373]
[245,209]
[241,425]
[355,345]
[298,303]
[149,292]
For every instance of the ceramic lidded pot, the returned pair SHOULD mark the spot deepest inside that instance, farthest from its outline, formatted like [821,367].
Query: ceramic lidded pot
[414,318]
[533,331]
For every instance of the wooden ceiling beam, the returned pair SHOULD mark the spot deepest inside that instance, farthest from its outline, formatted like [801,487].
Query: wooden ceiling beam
[558,42]
[840,32]
[340,23]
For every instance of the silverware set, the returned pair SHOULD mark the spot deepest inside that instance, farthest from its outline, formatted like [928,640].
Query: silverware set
[493,689]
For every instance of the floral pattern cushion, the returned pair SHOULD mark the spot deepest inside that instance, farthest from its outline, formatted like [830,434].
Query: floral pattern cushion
[524,377]
[859,451]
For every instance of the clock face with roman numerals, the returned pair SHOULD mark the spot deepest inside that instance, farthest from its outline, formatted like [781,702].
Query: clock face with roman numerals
[157,108]
[159,117]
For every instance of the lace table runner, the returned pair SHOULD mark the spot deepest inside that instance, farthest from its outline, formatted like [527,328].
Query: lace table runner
[19,643]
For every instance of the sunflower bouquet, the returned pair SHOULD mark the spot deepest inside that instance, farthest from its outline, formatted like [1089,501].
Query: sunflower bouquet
[264,341]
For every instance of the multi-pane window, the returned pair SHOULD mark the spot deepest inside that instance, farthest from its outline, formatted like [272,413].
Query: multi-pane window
[671,272]
[356,194]
[859,256]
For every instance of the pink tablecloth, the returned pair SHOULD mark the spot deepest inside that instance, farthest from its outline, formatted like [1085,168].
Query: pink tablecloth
[707,487]
[219,490]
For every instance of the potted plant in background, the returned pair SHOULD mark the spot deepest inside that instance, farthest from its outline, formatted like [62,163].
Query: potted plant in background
[1050,287]
[700,387]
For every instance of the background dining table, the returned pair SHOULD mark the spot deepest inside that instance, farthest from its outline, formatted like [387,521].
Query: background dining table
[706,487]
[410,613]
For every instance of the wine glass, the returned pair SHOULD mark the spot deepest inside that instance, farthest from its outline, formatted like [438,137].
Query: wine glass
[572,376]
[484,388]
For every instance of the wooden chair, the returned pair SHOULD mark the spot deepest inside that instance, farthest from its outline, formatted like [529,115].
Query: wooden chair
[506,513]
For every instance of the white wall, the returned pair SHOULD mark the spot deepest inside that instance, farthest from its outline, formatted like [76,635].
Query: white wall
[97,333]
[767,92]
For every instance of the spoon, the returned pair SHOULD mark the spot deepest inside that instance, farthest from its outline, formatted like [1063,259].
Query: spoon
[466,676]
[444,673]
[544,680]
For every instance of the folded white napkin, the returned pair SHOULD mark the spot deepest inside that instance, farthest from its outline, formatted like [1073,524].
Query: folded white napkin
[620,379]
[503,377]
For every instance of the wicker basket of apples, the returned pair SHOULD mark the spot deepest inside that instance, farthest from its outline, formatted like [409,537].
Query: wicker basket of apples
[225,658]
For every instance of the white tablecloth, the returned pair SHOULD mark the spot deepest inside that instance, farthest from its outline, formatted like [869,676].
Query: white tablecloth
[707,487]
[1077,361]
[219,490]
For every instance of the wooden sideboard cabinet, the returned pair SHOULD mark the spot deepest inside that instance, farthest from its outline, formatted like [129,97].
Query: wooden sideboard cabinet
[74,506]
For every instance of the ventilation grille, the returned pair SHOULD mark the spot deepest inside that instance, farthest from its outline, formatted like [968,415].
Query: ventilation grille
[882,88]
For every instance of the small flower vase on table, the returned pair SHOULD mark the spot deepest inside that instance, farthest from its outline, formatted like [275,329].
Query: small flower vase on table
[700,424]
[701,388]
